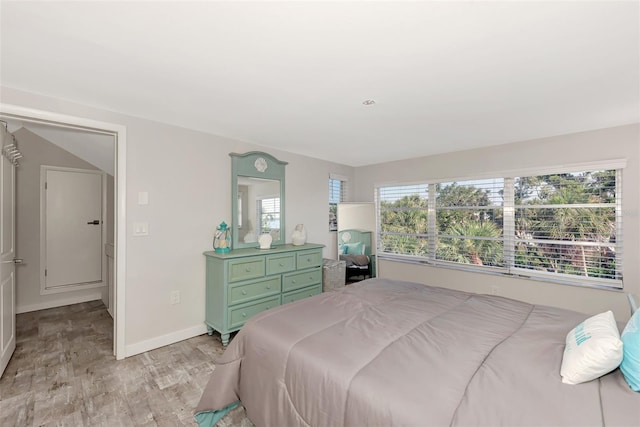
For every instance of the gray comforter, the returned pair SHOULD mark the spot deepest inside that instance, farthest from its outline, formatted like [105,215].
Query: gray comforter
[388,353]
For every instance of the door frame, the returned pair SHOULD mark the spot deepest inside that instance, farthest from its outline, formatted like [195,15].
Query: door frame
[119,133]
[43,231]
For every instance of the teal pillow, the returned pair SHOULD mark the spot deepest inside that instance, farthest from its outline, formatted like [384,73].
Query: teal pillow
[630,365]
[354,248]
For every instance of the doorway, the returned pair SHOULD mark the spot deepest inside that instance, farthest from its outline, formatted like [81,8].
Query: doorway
[118,132]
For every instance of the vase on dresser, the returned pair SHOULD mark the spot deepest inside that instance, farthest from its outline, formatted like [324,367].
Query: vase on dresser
[299,236]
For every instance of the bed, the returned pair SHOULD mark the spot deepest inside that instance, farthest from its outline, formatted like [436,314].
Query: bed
[354,247]
[382,353]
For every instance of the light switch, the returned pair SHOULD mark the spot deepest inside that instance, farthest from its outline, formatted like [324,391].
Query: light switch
[143,198]
[140,228]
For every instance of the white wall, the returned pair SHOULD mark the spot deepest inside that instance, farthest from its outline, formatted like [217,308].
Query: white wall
[188,176]
[613,143]
[38,151]
[96,149]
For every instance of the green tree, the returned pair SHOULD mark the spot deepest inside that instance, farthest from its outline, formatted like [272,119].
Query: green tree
[453,194]
[479,217]
[469,250]
[404,225]
[571,224]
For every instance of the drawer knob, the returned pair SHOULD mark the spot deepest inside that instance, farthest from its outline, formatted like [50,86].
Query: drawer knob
[293,281]
[244,314]
[310,277]
[268,286]
[281,265]
[308,259]
[247,270]
[244,292]
[268,307]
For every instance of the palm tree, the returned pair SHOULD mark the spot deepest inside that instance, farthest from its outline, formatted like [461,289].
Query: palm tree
[570,224]
[402,223]
[469,250]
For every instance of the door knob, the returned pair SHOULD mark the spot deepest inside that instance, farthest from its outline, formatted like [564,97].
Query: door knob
[17,260]
[94,222]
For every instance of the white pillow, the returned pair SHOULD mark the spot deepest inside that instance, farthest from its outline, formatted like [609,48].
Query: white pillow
[593,348]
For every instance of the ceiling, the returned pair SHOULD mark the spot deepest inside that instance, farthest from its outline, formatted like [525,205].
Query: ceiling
[95,148]
[445,76]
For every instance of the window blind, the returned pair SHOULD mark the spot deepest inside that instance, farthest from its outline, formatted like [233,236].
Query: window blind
[337,194]
[563,227]
[469,220]
[269,214]
[337,190]
[569,224]
[404,219]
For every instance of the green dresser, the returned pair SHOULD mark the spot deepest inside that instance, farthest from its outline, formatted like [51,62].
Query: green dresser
[245,282]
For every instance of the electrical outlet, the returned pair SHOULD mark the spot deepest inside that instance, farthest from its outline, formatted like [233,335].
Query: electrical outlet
[175,297]
[494,290]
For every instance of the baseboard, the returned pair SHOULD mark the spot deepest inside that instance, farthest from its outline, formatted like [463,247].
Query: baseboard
[161,341]
[58,303]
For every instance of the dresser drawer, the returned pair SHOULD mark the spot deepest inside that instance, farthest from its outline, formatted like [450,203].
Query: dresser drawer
[302,279]
[240,314]
[308,259]
[302,293]
[246,268]
[243,292]
[280,263]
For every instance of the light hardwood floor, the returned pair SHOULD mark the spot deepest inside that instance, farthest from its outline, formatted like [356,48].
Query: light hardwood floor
[63,373]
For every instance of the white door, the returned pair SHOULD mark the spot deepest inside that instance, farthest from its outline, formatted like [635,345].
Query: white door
[7,254]
[74,228]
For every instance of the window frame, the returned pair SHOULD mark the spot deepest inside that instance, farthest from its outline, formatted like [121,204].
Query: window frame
[509,227]
[342,196]
[261,212]
[430,224]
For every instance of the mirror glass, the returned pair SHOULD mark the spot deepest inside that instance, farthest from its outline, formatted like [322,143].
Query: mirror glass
[258,199]
[357,216]
[258,209]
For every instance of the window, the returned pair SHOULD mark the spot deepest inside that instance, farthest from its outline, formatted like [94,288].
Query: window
[269,215]
[337,194]
[567,224]
[404,213]
[469,222]
[564,227]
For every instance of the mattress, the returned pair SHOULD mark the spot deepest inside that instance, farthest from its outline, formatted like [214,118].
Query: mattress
[384,352]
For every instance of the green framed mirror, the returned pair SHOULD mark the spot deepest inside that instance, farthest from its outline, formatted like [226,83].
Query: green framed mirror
[257,198]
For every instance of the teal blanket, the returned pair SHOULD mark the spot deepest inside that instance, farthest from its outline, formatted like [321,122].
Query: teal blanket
[211,418]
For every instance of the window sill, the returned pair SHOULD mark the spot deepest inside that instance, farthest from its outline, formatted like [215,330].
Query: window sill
[497,271]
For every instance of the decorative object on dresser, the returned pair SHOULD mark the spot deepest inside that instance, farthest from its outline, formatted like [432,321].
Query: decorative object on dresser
[265,241]
[245,282]
[299,236]
[222,238]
